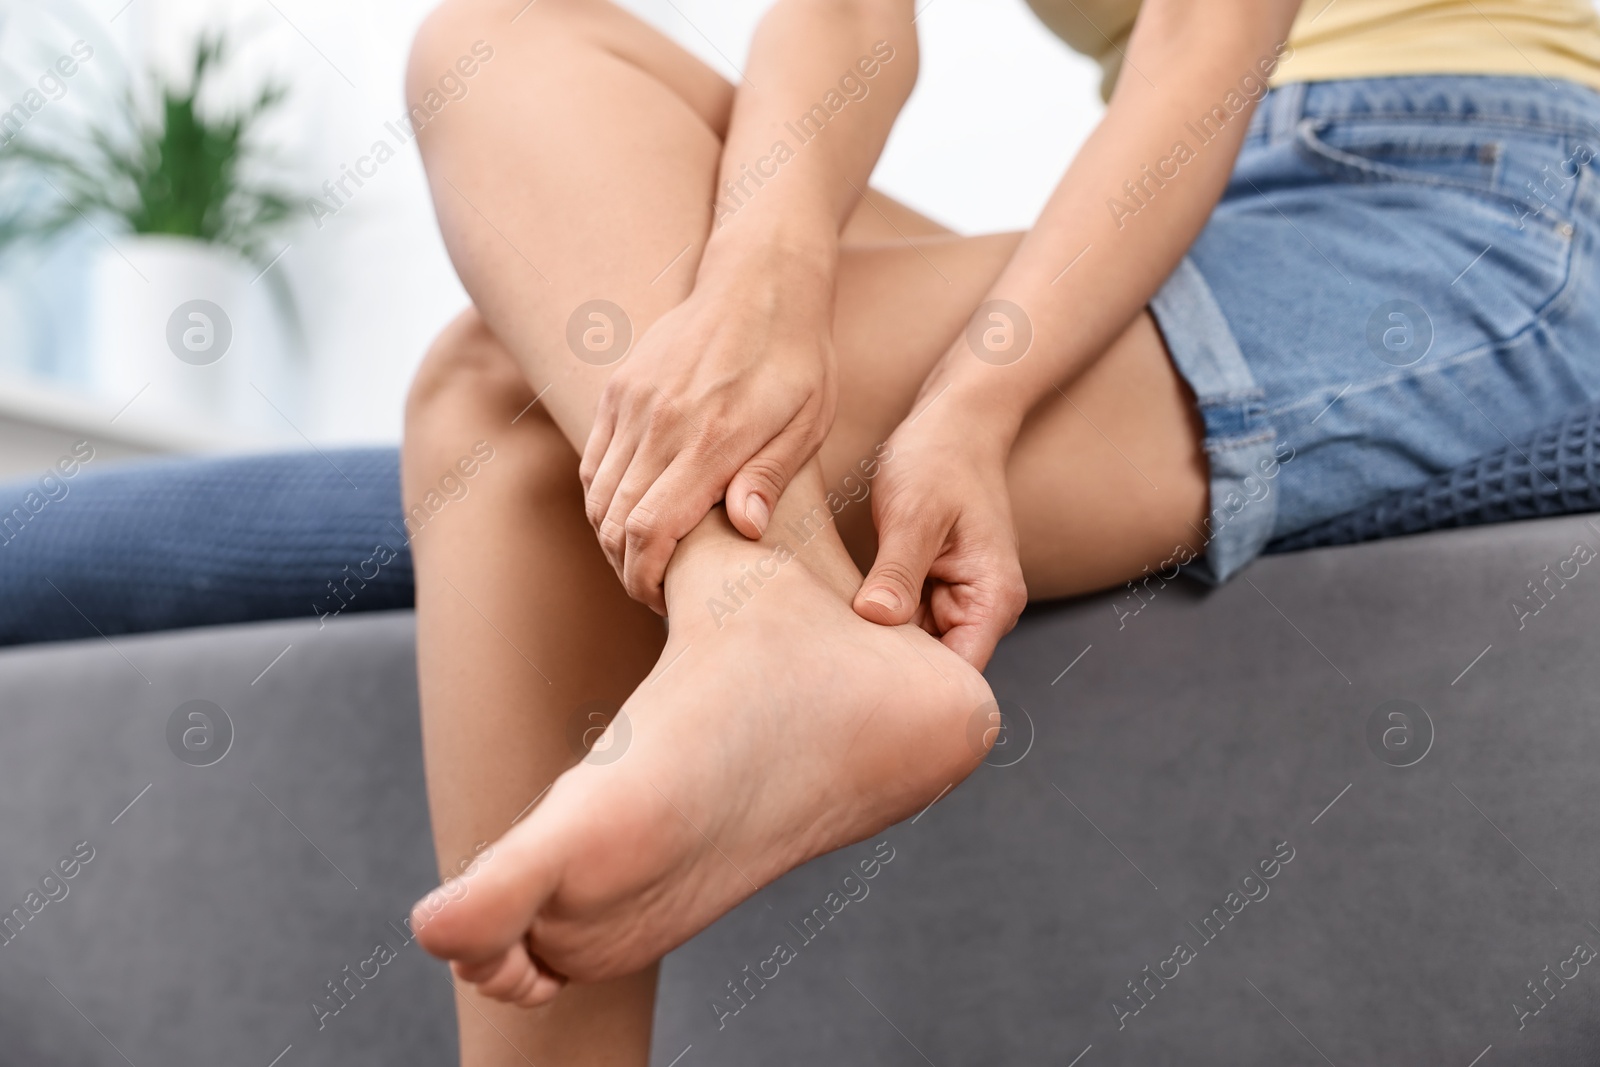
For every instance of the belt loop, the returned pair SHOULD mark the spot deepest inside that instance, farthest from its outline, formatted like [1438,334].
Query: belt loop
[1289,106]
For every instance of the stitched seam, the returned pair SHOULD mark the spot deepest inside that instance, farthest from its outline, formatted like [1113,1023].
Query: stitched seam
[1217,400]
[1503,122]
[1486,349]
[1356,167]
[1228,444]
[1561,301]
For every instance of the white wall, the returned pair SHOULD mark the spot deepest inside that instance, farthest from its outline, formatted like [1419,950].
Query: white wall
[999,110]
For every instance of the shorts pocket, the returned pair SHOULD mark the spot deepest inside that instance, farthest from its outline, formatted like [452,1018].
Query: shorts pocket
[1441,202]
[1488,162]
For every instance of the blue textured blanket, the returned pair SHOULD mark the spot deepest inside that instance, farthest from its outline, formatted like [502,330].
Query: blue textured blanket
[175,543]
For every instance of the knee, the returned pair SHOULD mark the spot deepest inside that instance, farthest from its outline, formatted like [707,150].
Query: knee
[451,43]
[465,367]
[470,399]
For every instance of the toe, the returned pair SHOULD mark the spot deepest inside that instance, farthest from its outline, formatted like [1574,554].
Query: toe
[543,991]
[510,977]
[477,971]
[481,914]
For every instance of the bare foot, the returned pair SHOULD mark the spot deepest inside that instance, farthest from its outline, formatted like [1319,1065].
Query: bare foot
[793,728]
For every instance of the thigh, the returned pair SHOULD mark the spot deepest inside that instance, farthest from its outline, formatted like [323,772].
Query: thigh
[598,192]
[1108,476]
[518,29]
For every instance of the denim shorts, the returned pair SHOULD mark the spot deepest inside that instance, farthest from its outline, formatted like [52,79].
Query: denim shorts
[1400,276]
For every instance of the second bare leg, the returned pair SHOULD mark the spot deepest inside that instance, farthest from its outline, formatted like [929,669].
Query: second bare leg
[526,644]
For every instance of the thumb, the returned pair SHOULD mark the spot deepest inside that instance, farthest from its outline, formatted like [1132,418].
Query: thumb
[754,491]
[906,549]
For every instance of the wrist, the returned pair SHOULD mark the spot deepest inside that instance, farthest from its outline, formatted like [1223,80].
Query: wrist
[789,272]
[983,411]
[799,252]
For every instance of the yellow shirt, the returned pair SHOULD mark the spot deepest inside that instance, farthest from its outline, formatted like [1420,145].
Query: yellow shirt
[1375,38]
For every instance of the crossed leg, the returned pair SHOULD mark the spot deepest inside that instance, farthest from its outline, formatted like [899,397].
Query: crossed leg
[524,632]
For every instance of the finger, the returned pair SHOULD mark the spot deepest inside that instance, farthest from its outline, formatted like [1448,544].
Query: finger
[972,617]
[599,440]
[673,506]
[608,475]
[754,491]
[907,547]
[974,638]
[649,460]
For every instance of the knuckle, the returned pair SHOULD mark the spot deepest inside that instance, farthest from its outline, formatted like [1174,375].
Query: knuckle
[926,528]
[642,580]
[910,503]
[612,536]
[643,525]
[616,389]
[702,451]
[888,508]
[1010,595]
[661,418]
[896,573]
[765,472]
[695,464]
[708,452]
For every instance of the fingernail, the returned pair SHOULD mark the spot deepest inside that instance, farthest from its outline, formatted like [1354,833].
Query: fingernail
[886,599]
[755,509]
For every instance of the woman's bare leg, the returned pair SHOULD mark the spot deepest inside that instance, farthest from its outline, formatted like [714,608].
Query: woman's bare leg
[496,731]
[550,190]
[521,625]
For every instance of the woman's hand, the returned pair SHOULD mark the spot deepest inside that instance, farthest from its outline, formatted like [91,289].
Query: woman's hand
[941,506]
[726,396]
[943,514]
[731,392]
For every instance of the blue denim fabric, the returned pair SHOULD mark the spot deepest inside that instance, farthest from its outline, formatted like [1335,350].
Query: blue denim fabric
[1400,276]
[176,543]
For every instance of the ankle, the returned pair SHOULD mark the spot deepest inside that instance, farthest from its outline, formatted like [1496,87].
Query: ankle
[715,561]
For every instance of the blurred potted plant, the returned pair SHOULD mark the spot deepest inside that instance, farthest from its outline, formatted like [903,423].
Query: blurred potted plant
[183,194]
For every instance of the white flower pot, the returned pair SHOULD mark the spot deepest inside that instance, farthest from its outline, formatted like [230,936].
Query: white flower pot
[191,330]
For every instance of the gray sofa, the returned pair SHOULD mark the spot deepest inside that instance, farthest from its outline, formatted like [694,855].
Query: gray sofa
[1205,839]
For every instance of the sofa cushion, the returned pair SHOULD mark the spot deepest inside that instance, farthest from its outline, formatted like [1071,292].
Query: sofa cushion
[1423,871]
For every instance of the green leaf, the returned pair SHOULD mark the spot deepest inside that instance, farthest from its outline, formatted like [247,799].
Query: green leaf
[170,168]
